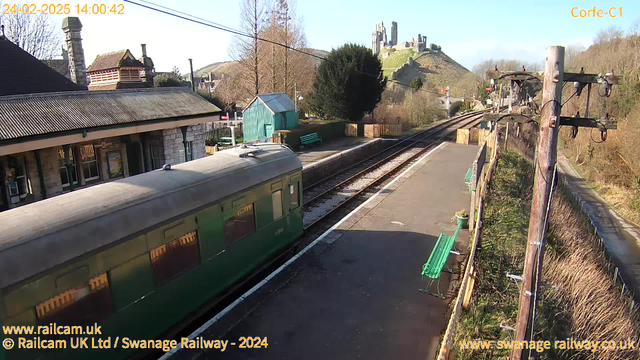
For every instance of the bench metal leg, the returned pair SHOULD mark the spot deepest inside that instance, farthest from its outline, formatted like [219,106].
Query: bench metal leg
[426,289]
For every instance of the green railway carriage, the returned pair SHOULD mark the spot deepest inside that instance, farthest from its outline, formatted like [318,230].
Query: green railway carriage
[139,254]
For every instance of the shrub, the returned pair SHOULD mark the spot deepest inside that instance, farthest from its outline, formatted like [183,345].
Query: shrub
[455,107]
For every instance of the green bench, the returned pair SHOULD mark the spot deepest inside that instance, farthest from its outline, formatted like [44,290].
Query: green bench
[467,178]
[225,141]
[310,139]
[433,267]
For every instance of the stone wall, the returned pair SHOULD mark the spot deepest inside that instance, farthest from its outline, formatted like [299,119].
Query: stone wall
[50,172]
[405,68]
[174,147]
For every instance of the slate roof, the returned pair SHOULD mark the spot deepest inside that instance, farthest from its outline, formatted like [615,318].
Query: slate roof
[276,102]
[113,60]
[21,73]
[24,116]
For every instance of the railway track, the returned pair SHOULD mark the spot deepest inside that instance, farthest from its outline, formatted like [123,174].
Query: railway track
[328,195]
[332,180]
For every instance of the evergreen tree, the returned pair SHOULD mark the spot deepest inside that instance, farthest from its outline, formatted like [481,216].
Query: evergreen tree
[348,84]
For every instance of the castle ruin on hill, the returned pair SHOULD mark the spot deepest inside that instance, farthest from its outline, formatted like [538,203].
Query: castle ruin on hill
[379,40]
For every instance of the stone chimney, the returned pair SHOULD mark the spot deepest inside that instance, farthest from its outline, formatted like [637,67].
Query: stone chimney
[77,69]
[148,73]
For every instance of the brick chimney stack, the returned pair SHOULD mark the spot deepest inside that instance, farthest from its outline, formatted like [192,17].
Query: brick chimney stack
[77,69]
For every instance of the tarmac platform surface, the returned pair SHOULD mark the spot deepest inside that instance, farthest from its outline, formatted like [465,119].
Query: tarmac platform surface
[354,293]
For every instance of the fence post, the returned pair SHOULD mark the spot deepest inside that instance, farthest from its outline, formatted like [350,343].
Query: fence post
[474,185]
[506,137]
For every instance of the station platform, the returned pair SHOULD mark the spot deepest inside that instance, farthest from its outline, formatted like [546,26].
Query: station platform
[354,292]
[330,147]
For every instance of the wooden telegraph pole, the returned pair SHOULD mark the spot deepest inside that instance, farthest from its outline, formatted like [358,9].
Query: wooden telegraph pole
[544,167]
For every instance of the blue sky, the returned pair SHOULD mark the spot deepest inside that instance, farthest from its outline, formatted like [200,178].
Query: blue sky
[468,31]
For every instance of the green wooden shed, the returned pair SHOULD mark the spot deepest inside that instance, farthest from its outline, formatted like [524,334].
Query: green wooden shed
[267,113]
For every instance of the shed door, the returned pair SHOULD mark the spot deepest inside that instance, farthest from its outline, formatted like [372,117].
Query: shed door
[268,130]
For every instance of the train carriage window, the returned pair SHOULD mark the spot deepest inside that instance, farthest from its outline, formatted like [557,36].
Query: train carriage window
[81,305]
[293,196]
[172,258]
[243,223]
[276,202]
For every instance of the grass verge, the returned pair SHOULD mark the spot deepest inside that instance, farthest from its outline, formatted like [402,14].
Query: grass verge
[577,299]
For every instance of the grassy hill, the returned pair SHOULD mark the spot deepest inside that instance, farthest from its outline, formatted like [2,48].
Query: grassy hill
[225,67]
[436,69]
[218,68]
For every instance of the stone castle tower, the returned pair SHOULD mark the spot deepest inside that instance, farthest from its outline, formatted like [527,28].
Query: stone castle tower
[77,69]
[394,34]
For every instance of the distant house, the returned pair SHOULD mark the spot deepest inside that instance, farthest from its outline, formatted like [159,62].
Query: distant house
[55,136]
[121,70]
[267,113]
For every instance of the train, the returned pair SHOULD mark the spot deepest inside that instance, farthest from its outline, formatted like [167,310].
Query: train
[137,255]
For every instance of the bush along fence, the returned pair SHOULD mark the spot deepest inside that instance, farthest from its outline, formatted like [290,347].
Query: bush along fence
[479,181]
[523,142]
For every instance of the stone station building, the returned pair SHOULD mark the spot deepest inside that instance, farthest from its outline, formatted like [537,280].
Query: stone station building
[56,137]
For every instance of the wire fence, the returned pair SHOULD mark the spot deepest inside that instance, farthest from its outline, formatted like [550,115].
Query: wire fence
[523,140]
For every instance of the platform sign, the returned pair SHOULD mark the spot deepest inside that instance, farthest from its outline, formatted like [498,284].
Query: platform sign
[224,117]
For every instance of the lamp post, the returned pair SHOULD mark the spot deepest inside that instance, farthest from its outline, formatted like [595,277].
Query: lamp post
[296,97]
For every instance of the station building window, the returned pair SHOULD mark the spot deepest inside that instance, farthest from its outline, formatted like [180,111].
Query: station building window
[243,223]
[276,202]
[175,257]
[19,187]
[80,305]
[89,162]
[64,174]
[293,196]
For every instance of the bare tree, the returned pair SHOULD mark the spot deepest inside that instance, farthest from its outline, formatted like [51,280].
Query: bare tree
[571,54]
[36,34]
[634,29]
[246,50]
[285,66]
[608,34]
[269,65]
[481,69]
